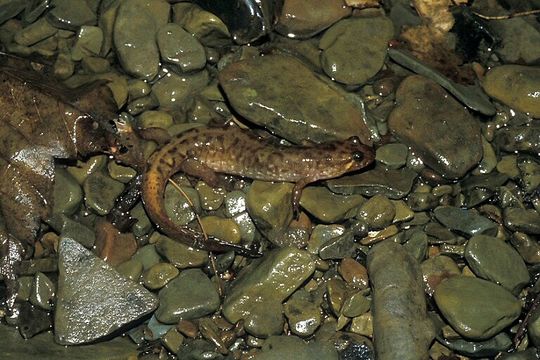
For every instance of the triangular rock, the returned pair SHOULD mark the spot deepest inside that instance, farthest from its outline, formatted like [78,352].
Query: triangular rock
[93,298]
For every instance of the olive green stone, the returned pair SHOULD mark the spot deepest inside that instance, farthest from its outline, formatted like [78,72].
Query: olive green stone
[67,193]
[180,255]
[147,256]
[246,226]
[436,269]
[303,313]
[71,229]
[153,118]
[534,328]
[336,294]
[235,203]
[362,325]
[88,43]
[355,305]
[180,48]
[269,204]
[523,220]
[159,275]
[403,212]
[121,173]
[394,184]
[134,36]
[476,308]
[138,88]
[70,14]
[257,294]
[63,66]
[43,291]
[178,207]
[519,138]
[450,148]
[489,158]
[393,156]
[465,221]
[350,61]
[378,212]
[83,169]
[172,340]
[191,295]
[516,86]
[143,224]
[260,90]
[296,20]
[211,198]
[25,287]
[417,245]
[322,234]
[142,104]
[205,26]
[101,192]
[493,259]
[223,229]
[34,33]
[530,174]
[282,347]
[131,269]
[96,65]
[173,90]
[508,166]
[527,247]
[328,206]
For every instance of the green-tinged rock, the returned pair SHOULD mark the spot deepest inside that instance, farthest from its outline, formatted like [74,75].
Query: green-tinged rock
[522,220]
[328,206]
[378,212]
[246,226]
[436,269]
[529,354]
[25,287]
[138,88]
[93,299]
[417,245]
[211,198]
[43,347]
[221,228]
[135,28]
[394,184]
[519,138]
[486,349]
[282,347]
[34,33]
[235,203]
[508,166]
[296,20]
[493,259]
[43,291]
[260,90]
[191,295]
[529,168]
[121,173]
[172,340]
[528,248]
[516,86]
[476,308]
[159,275]
[173,90]
[101,191]
[131,269]
[88,43]
[205,26]
[449,147]
[520,38]
[179,254]
[155,118]
[350,61]
[180,48]
[143,224]
[147,256]
[257,294]
[72,229]
[398,303]
[534,328]
[355,305]
[67,193]
[465,221]
[303,312]
[393,156]
[83,169]
[322,234]
[180,209]
[71,14]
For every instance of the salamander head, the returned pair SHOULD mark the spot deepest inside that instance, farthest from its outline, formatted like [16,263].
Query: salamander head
[353,155]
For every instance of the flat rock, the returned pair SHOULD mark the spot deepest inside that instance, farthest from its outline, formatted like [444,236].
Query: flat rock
[282,94]
[93,299]
[437,127]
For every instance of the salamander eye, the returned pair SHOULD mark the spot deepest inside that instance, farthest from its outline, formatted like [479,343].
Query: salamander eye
[358,156]
[354,140]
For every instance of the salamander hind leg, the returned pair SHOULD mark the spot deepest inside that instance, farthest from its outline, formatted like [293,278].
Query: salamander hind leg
[196,168]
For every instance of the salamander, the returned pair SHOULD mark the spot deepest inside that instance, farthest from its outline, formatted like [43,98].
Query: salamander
[203,152]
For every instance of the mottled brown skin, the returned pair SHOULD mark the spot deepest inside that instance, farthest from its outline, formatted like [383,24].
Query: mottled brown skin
[203,152]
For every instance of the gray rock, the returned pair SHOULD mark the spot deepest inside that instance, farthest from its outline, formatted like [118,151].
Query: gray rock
[93,299]
[180,48]
[465,221]
[282,347]
[523,220]
[189,296]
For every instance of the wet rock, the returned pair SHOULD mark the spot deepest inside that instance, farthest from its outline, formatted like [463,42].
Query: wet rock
[155,118]
[398,303]
[520,39]
[43,291]
[235,203]
[147,256]
[339,247]
[121,173]
[180,48]
[476,308]
[355,305]
[88,43]
[173,90]
[523,220]
[67,193]
[350,61]
[135,28]
[328,206]
[101,191]
[172,340]
[84,169]
[211,198]
[190,295]
[354,273]
[533,328]
[93,299]
[515,86]
[257,294]
[487,348]
[449,147]
[322,234]
[394,184]
[221,228]
[70,14]
[72,229]
[378,212]
[393,156]
[113,246]
[303,313]
[159,275]
[34,33]
[180,255]
[436,269]
[181,210]
[465,221]
[281,347]
[519,138]
[32,320]
[296,20]
[204,25]
[131,269]
[527,247]
[495,260]
[255,88]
